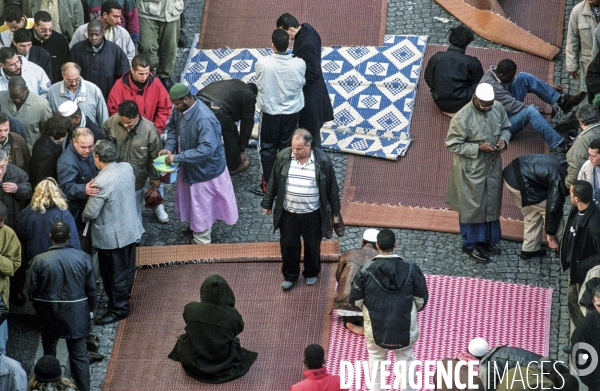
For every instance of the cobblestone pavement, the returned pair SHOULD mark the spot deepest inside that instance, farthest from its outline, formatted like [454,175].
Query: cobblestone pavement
[436,253]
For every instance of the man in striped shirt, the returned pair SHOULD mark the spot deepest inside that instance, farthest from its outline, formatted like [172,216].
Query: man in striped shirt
[305,191]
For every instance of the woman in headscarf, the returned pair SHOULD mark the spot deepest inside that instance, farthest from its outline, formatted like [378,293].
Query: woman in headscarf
[210,350]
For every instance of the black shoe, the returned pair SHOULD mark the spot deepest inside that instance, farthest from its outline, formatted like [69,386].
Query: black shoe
[95,357]
[257,190]
[531,254]
[567,349]
[570,101]
[108,318]
[489,248]
[183,41]
[167,82]
[477,255]
[92,342]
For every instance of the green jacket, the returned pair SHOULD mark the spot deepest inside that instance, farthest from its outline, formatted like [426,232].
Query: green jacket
[475,185]
[139,150]
[329,192]
[10,259]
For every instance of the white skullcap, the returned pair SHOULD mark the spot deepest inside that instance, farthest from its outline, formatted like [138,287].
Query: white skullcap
[370,235]
[68,108]
[478,347]
[485,92]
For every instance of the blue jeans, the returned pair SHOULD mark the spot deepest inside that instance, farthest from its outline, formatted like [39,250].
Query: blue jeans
[3,336]
[525,83]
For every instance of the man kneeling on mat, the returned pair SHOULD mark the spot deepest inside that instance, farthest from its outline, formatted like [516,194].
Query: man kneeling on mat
[210,350]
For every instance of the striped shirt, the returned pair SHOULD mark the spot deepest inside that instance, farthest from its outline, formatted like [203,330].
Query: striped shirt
[301,191]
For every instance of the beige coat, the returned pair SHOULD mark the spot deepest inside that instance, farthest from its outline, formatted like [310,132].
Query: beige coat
[10,259]
[475,186]
[580,38]
[33,111]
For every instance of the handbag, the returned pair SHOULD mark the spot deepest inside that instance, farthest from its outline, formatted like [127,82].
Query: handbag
[336,223]
[152,197]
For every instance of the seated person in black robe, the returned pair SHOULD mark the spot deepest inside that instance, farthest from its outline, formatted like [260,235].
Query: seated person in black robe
[210,350]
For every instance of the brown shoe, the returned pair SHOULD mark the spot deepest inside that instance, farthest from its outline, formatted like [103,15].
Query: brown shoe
[242,167]
[570,101]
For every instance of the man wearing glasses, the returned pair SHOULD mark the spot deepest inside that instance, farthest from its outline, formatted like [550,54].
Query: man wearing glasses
[477,137]
[74,88]
[55,43]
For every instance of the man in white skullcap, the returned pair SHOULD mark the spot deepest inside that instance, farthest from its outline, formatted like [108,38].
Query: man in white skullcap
[349,264]
[478,135]
[478,347]
[72,111]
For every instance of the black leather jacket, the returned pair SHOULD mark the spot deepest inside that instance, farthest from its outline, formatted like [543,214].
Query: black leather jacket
[540,178]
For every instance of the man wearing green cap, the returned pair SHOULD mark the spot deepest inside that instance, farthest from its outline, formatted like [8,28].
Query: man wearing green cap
[204,190]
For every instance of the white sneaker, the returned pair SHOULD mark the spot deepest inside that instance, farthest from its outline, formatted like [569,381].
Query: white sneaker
[162,215]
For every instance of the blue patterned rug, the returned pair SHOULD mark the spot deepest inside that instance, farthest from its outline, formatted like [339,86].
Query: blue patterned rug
[372,89]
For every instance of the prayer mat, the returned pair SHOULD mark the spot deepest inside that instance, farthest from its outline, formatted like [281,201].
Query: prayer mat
[494,22]
[248,24]
[460,309]
[410,193]
[372,90]
[278,325]
[224,252]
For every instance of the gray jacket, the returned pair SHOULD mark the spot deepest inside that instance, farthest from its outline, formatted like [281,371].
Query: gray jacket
[115,222]
[121,38]
[161,10]
[578,153]
[501,94]
[89,99]
[12,375]
[580,37]
[280,78]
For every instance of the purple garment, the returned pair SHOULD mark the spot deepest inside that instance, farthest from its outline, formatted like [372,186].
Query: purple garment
[204,203]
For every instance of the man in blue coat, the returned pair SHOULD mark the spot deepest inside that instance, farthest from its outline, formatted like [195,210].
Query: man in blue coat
[63,292]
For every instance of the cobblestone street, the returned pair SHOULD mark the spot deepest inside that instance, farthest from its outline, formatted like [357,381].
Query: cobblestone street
[436,253]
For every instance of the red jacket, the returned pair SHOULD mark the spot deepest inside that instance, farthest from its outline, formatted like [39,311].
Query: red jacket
[318,380]
[153,101]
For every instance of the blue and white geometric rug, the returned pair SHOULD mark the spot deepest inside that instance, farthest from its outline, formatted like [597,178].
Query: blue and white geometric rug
[372,89]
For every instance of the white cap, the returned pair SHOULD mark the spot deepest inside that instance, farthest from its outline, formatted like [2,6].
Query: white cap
[68,108]
[485,92]
[370,235]
[478,347]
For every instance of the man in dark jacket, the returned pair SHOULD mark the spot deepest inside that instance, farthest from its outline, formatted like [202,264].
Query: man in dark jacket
[55,43]
[580,249]
[302,186]
[73,112]
[15,188]
[232,101]
[63,292]
[24,47]
[14,145]
[588,331]
[452,76]
[307,46]
[102,61]
[536,183]
[390,291]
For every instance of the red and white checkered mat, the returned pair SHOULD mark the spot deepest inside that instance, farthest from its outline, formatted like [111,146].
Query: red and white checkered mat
[460,309]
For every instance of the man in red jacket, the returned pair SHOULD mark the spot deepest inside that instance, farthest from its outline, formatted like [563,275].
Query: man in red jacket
[317,378]
[145,89]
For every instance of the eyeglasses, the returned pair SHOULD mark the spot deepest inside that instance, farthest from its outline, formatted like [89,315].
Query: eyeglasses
[47,30]
[73,80]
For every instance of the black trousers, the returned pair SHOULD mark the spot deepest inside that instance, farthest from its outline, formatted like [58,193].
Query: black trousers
[79,360]
[275,134]
[117,268]
[232,140]
[293,226]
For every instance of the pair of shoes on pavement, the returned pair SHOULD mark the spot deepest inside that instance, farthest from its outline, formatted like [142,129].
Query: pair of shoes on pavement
[242,167]
[287,285]
[532,254]
[161,214]
[95,357]
[257,190]
[477,254]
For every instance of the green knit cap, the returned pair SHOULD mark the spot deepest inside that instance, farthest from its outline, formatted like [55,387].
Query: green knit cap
[178,91]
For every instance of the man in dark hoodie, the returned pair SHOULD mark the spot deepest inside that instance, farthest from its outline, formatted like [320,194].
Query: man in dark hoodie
[210,350]
[390,291]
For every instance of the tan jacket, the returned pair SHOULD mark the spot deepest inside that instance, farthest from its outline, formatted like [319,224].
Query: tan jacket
[580,37]
[10,259]
[32,112]
[139,150]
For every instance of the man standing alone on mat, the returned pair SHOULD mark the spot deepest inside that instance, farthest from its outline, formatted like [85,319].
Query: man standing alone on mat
[390,291]
[307,46]
[477,137]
